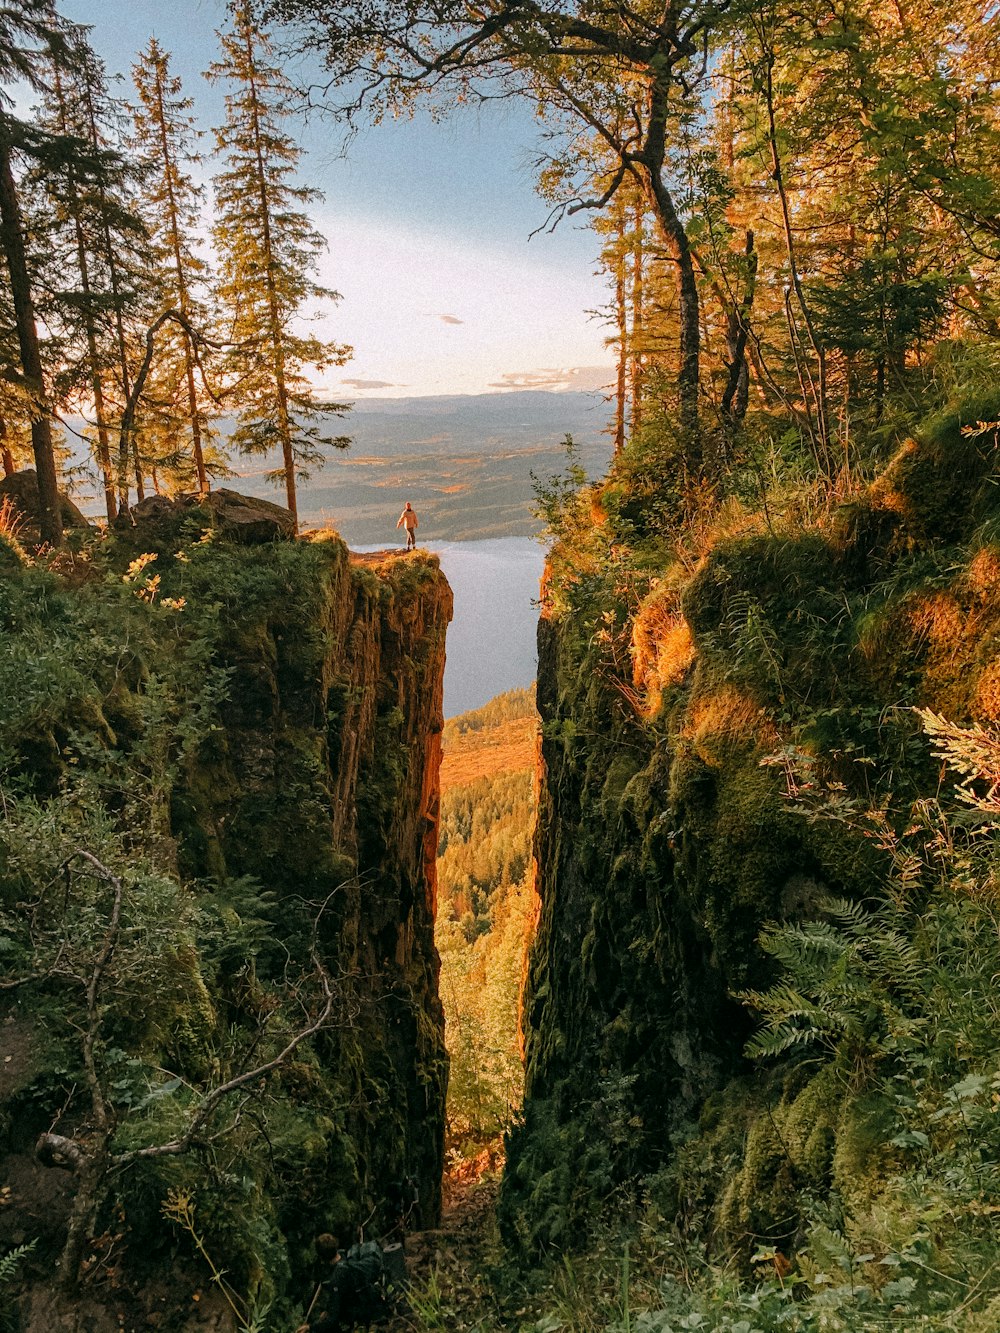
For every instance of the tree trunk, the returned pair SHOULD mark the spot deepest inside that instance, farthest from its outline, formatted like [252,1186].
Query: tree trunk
[114,276]
[277,345]
[689,306]
[90,325]
[12,233]
[736,394]
[5,454]
[90,1178]
[653,159]
[638,315]
[621,386]
[817,385]
[96,384]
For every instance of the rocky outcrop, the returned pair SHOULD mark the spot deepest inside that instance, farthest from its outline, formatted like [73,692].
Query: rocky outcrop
[666,838]
[21,488]
[244,519]
[294,696]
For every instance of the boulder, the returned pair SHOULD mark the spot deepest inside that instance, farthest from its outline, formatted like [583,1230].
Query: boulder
[237,518]
[148,510]
[247,519]
[22,488]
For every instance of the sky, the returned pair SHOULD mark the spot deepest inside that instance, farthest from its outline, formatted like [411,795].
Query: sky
[444,290]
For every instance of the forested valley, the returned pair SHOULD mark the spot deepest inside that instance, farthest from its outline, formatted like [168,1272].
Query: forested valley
[707,1017]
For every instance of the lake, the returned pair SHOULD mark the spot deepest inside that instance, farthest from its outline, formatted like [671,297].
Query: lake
[491,640]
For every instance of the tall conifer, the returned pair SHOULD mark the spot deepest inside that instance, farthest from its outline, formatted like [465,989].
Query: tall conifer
[92,245]
[28,28]
[94,251]
[268,251]
[167,138]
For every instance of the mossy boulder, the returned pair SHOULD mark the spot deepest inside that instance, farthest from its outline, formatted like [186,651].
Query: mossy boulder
[21,489]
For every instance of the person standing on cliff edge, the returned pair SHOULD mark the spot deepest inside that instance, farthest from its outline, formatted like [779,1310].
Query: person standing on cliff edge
[408,520]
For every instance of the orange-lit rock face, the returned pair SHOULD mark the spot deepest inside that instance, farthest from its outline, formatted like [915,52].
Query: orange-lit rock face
[324,788]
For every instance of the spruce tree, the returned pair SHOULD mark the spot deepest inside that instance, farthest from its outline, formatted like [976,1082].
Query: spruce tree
[29,30]
[268,251]
[122,244]
[95,259]
[165,134]
[92,246]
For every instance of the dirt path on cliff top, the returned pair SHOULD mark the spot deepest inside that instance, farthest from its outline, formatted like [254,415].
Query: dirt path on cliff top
[377,557]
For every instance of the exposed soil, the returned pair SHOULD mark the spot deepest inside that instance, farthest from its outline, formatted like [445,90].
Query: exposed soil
[376,557]
[447,1268]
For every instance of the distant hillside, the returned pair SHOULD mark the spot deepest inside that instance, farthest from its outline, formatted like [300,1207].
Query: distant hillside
[463,461]
[486,907]
[496,739]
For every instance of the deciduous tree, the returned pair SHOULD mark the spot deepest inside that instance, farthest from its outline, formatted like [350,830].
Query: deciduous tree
[625,71]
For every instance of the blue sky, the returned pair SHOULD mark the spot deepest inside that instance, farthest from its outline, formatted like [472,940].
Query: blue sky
[428,227]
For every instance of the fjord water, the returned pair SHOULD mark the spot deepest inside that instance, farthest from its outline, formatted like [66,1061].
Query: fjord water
[491,640]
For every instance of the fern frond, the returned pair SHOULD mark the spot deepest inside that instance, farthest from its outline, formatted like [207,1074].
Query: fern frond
[10,1262]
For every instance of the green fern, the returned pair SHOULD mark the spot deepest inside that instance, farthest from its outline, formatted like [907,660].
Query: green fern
[856,975]
[11,1261]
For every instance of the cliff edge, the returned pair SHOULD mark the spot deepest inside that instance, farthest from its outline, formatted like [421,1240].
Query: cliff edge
[226,1022]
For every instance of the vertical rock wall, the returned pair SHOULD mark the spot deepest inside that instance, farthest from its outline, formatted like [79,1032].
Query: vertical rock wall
[322,784]
[666,839]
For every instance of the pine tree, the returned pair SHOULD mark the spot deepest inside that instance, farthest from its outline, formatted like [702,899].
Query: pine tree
[268,250]
[98,267]
[28,30]
[123,246]
[167,137]
[74,186]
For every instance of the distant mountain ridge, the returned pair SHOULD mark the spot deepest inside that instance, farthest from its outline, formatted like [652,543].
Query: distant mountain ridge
[465,463]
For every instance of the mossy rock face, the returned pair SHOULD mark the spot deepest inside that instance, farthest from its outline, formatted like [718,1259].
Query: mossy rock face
[939,482]
[305,695]
[324,789]
[666,839]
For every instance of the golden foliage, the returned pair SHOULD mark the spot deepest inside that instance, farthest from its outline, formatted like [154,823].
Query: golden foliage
[725,715]
[488,907]
[986,704]
[508,748]
[662,646]
[983,575]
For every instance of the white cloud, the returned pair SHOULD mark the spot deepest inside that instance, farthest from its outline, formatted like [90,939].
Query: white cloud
[589,379]
[362,385]
[522,305]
